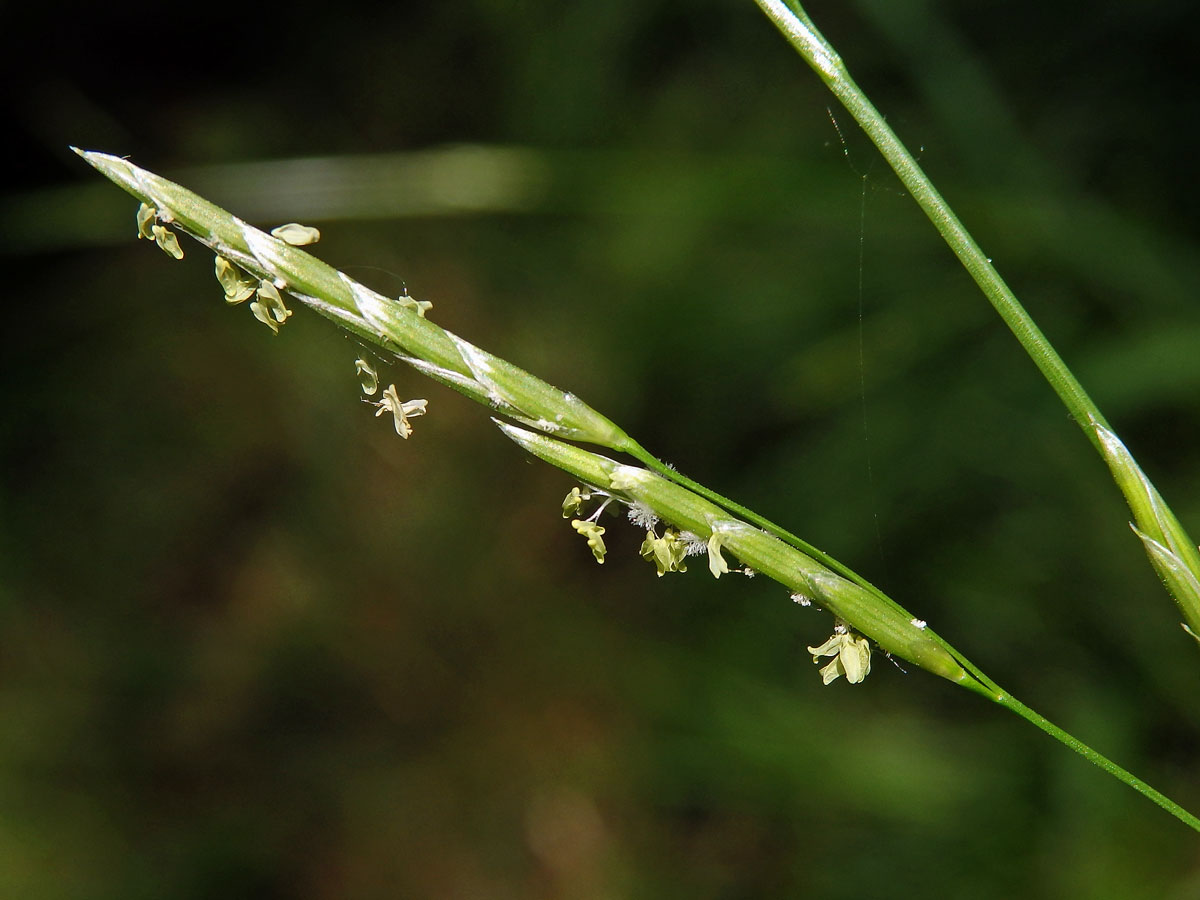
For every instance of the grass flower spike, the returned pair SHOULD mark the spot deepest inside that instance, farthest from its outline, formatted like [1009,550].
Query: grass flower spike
[254,265]
[398,325]
[1172,553]
[887,624]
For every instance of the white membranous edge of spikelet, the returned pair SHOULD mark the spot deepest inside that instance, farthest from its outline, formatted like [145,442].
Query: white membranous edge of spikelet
[266,249]
[479,363]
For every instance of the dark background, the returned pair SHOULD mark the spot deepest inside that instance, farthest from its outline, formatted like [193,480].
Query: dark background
[253,645]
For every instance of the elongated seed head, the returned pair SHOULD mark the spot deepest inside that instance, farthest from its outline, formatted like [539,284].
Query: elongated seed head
[893,628]
[397,324]
[1171,551]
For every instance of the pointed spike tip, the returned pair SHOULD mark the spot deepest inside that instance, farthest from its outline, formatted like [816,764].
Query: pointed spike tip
[519,435]
[105,162]
[92,157]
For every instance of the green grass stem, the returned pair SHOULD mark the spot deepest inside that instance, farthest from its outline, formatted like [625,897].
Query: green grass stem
[1171,551]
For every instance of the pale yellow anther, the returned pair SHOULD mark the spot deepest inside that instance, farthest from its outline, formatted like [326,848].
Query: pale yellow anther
[667,552]
[574,501]
[296,234]
[851,657]
[166,240]
[401,410]
[367,377]
[260,312]
[147,215]
[716,562]
[238,286]
[419,305]
[269,308]
[595,537]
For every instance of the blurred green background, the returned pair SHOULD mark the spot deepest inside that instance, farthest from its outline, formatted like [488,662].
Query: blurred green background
[253,645]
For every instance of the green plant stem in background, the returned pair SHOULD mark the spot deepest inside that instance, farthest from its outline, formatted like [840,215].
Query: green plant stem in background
[400,328]
[1171,551]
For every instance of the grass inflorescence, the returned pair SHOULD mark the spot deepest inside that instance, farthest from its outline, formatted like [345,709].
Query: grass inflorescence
[253,265]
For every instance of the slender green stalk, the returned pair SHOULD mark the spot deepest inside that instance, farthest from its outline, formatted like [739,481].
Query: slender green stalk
[1012,703]
[250,263]
[1172,553]
[890,626]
